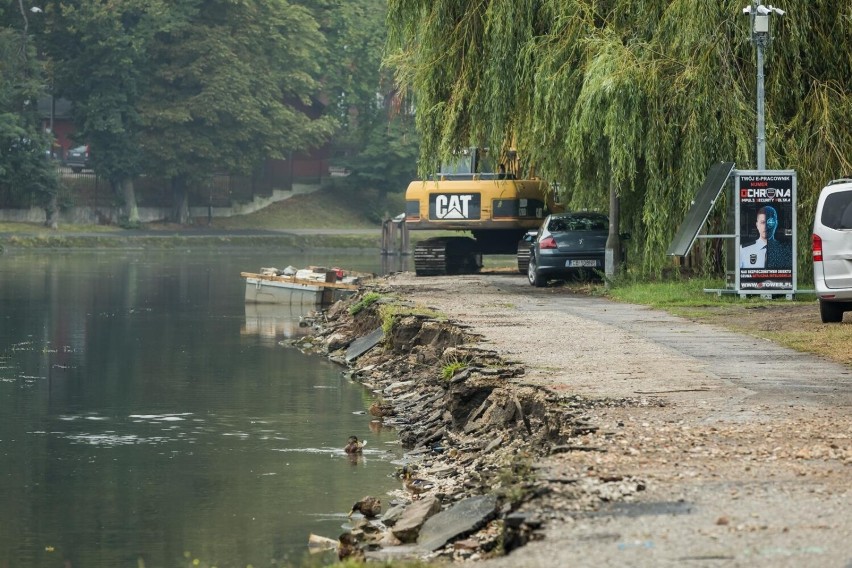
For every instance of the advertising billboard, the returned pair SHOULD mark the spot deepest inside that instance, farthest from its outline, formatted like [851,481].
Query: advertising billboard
[766,238]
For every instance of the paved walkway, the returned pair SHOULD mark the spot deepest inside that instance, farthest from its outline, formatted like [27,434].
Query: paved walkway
[768,371]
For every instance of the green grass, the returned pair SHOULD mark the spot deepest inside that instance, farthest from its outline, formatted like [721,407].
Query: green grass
[450,369]
[332,208]
[684,293]
[369,299]
[40,229]
[325,208]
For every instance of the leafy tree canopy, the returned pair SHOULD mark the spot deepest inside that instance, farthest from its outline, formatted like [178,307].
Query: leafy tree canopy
[100,54]
[185,88]
[374,142]
[232,84]
[26,175]
[352,76]
[386,160]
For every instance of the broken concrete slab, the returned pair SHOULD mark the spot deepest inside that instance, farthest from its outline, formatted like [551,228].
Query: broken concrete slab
[461,519]
[364,344]
[408,526]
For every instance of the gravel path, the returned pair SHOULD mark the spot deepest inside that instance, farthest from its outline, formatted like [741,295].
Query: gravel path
[742,447]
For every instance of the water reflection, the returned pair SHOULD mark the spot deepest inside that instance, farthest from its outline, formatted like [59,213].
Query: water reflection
[273,322]
[395,263]
[147,413]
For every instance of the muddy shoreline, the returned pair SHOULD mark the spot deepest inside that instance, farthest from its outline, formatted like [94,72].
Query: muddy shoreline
[472,429]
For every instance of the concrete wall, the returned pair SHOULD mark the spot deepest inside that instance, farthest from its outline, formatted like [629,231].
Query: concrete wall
[111,215]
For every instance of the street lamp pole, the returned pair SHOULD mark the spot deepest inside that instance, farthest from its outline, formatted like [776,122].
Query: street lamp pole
[760,40]
[759,17]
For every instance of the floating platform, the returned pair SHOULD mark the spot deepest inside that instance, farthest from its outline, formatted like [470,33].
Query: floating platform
[293,291]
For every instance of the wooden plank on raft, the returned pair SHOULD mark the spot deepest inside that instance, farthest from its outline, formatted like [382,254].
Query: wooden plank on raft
[294,280]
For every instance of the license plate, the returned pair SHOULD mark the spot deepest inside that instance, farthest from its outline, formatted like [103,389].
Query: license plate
[582,264]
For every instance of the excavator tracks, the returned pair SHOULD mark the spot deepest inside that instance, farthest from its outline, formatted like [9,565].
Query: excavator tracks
[447,255]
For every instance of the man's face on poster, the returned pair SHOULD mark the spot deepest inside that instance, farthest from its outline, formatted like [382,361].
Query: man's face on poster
[761,225]
[767,222]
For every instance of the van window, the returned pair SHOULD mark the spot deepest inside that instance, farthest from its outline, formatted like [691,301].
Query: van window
[837,211]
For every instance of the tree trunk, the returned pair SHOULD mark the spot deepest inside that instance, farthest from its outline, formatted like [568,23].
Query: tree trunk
[52,211]
[613,242]
[181,201]
[128,192]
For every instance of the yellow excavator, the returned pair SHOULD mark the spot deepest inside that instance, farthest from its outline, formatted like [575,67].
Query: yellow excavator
[490,198]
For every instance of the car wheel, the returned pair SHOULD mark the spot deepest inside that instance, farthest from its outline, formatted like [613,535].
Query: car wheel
[533,276]
[831,312]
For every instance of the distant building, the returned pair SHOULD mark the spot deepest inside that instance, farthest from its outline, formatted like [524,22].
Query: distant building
[55,114]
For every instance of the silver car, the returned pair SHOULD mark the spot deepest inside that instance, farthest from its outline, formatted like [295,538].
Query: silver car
[832,250]
[566,245]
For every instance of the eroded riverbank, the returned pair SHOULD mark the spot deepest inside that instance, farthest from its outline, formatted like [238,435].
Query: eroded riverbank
[473,434]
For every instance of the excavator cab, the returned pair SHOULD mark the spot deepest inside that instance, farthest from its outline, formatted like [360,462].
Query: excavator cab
[467,164]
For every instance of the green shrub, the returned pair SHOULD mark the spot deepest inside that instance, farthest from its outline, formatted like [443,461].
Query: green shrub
[368,300]
[450,369]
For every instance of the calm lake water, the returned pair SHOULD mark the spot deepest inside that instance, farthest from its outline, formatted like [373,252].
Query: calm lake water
[148,417]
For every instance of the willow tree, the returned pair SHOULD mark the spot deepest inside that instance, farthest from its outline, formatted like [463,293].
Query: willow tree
[642,95]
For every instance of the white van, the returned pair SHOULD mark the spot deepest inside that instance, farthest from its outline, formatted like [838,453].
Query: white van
[832,250]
